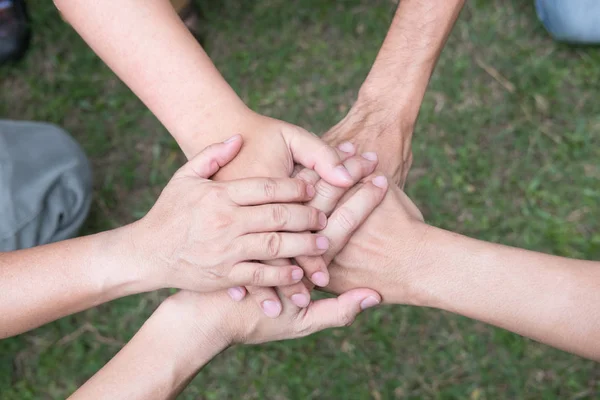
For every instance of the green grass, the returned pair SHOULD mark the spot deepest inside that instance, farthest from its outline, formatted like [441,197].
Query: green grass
[520,167]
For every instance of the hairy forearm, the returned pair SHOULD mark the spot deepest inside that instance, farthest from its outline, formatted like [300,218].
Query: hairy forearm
[45,283]
[161,359]
[551,299]
[399,77]
[383,117]
[150,49]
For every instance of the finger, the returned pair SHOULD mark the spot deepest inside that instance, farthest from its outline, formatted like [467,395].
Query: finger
[348,217]
[256,274]
[254,191]
[267,299]
[327,195]
[345,150]
[344,221]
[337,312]
[273,245]
[281,217]
[237,293]
[206,163]
[315,269]
[298,294]
[314,153]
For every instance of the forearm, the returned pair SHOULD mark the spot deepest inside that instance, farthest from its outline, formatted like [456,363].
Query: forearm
[383,117]
[399,77]
[161,359]
[45,283]
[150,49]
[551,299]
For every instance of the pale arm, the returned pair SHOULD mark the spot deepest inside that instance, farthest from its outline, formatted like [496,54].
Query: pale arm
[147,45]
[151,50]
[165,354]
[189,329]
[203,248]
[554,300]
[45,283]
[551,299]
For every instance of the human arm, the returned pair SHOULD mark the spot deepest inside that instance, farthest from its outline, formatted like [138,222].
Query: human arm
[551,299]
[169,71]
[200,235]
[189,328]
[384,115]
[147,45]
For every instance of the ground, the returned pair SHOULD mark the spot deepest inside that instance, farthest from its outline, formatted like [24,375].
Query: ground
[507,149]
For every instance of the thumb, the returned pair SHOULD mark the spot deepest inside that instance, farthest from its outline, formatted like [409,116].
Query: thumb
[312,152]
[206,163]
[340,311]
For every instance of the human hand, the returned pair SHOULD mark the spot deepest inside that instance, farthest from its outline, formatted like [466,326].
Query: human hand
[381,248]
[358,207]
[384,251]
[242,322]
[371,127]
[203,235]
[273,148]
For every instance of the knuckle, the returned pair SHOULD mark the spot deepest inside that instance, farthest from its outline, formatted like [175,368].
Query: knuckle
[328,152]
[313,218]
[216,193]
[300,189]
[273,244]
[221,221]
[269,188]
[326,190]
[280,215]
[346,219]
[258,276]
[346,318]
[306,327]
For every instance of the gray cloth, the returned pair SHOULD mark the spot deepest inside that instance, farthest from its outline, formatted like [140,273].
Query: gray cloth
[45,185]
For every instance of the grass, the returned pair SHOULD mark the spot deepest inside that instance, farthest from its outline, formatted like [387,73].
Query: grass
[514,160]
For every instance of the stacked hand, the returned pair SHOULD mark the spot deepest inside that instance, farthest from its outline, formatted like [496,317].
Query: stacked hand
[223,234]
[203,235]
[346,199]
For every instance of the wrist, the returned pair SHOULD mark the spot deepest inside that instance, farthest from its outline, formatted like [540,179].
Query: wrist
[440,267]
[209,318]
[409,267]
[399,104]
[218,121]
[117,267]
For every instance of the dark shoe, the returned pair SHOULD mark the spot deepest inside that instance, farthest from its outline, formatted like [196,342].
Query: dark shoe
[15,30]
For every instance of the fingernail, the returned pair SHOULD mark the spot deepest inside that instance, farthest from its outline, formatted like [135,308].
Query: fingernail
[319,279]
[368,302]
[297,274]
[271,308]
[371,156]
[232,139]
[380,181]
[300,300]
[310,191]
[346,147]
[343,173]
[236,293]
[322,220]
[322,243]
